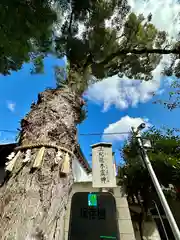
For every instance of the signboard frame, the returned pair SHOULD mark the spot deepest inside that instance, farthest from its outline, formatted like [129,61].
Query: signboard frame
[103,173]
[101,226]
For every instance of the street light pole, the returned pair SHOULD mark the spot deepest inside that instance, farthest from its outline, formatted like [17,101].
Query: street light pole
[157,186]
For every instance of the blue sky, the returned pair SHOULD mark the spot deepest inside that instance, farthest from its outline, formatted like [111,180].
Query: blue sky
[18,90]
[114,104]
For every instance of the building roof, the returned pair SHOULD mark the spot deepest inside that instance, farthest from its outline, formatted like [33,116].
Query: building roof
[103,144]
[6,149]
[83,161]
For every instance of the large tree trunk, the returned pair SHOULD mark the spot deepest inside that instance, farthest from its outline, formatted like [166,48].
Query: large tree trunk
[33,204]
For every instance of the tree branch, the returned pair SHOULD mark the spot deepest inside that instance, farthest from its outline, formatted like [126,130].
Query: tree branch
[70,23]
[139,51]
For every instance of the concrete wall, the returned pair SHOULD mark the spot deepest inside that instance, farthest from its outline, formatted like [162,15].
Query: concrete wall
[79,173]
[124,218]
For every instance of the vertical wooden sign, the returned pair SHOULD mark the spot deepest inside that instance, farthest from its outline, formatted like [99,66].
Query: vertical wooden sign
[103,174]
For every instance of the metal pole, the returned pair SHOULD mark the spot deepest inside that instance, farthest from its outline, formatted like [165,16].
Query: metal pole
[160,193]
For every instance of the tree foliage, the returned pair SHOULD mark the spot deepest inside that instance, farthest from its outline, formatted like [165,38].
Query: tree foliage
[107,32]
[25,27]
[174,67]
[164,157]
[104,38]
[99,38]
[173,101]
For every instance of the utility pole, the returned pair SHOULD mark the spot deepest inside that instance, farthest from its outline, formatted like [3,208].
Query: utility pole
[155,181]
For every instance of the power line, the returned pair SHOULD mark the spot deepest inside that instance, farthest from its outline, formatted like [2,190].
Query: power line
[116,133]
[11,131]
[81,134]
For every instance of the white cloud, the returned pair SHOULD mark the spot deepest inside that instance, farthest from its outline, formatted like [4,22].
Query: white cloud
[123,125]
[165,13]
[123,93]
[11,106]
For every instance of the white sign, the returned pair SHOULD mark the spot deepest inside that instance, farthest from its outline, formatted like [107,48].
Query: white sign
[103,174]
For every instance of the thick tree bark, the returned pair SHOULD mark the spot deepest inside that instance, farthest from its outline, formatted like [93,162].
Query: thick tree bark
[32,204]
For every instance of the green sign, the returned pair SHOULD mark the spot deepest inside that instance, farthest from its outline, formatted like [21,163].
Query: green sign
[92,200]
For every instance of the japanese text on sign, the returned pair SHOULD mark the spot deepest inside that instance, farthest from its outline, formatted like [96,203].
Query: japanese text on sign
[103,172]
[93,213]
[103,166]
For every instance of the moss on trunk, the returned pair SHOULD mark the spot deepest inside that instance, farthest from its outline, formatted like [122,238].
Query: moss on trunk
[32,205]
